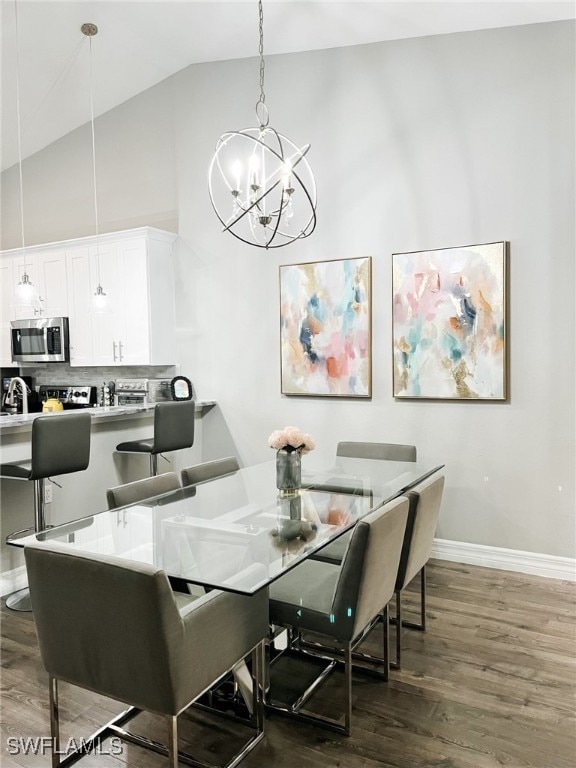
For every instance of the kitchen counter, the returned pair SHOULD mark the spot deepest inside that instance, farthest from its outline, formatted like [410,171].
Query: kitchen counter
[82,493]
[22,422]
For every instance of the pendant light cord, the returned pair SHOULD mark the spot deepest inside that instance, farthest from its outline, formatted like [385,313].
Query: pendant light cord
[94,164]
[30,117]
[19,135]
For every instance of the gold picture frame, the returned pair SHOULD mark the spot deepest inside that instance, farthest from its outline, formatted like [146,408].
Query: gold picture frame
[326,328]
[450,323]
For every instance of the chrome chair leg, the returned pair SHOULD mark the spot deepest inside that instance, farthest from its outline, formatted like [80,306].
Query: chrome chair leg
[348,684]
[422,625]
[258,685]
[153,464]
[172,740]
[399,624]
[386,649]
[423,598]
[54,720]
[412,624]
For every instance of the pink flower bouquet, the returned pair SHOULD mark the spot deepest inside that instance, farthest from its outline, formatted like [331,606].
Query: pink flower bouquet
[292,439]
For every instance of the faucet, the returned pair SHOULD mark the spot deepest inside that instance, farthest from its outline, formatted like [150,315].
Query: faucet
[9,398]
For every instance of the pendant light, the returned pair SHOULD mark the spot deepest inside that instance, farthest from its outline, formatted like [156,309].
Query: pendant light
[25,287]
[99,298]
[261,185]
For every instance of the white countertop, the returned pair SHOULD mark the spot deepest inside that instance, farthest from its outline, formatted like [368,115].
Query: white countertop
[101,414]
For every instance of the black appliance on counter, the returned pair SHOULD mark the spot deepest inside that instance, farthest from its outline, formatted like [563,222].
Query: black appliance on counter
[72,397]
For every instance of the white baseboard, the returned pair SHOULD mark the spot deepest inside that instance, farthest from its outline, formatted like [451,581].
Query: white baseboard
[550,566]
[11,581]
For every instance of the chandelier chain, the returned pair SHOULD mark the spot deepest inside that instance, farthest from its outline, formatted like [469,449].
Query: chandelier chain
[261,51]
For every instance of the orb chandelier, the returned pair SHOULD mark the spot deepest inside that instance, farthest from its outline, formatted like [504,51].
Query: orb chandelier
[261,185]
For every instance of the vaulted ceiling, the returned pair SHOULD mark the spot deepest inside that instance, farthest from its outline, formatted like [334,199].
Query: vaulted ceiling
[140,43]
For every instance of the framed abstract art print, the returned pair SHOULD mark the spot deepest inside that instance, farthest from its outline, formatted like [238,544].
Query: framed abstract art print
[325,328]
[449,323]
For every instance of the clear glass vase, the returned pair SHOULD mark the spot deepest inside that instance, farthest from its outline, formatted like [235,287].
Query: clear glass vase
[288,471]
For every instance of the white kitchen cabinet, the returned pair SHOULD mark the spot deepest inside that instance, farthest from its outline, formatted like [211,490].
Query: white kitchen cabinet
[20,266]
[80,306]
[51,268]
[108,324]
[46,268]
[137,324]
[135,268]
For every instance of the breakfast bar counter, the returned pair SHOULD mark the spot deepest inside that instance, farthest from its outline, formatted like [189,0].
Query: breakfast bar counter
[23,422]
[76,495]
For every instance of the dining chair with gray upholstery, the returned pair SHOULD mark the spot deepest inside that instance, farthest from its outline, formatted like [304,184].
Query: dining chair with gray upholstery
[209,470]
[342,602]
[334,552]
[139,490]
[386,451]
[424,509]
[425,499]
[115,627]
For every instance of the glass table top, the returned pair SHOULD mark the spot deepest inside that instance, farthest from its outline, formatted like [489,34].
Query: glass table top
[237,532]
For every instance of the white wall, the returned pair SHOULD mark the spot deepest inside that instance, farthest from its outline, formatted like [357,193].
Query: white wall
[416,144]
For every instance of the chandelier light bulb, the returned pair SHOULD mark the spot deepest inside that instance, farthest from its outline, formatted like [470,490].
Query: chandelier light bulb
[287,170]
[237,172]
[254,169]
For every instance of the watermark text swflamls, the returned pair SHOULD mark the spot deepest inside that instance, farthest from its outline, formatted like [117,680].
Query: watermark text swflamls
[44,745]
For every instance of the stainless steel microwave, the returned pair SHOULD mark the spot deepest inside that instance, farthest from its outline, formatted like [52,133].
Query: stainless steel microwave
[40,340]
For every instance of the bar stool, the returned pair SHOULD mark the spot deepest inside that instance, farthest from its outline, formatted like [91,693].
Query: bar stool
[173,431]
[60,446]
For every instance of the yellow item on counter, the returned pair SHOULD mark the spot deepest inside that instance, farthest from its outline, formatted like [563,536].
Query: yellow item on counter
[51,405]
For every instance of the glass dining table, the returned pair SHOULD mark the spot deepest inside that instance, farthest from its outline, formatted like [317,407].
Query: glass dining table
[238,533]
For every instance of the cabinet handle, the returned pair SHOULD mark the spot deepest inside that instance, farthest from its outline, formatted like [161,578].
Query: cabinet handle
[114,350]
[120,351]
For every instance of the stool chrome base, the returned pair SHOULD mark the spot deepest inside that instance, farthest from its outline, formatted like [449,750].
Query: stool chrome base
[20,600]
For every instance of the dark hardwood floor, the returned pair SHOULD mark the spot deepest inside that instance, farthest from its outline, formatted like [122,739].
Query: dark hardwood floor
[492,682]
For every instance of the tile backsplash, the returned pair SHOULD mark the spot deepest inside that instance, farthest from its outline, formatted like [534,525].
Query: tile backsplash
[62,373]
